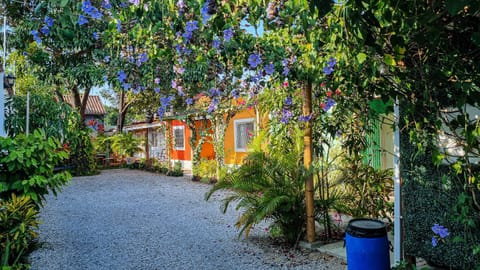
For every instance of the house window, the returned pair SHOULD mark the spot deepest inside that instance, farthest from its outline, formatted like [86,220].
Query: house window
[179,138]
[244,130]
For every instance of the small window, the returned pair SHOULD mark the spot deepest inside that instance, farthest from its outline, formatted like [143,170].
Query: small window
[244,130]
[179,138]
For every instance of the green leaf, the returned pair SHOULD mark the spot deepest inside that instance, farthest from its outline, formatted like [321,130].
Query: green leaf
[361,57]
[389,60]
[454,6]
[476,38]
[64,3]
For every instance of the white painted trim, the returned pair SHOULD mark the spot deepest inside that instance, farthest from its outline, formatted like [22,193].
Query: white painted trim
[143,126]
[175,139]
[237,122]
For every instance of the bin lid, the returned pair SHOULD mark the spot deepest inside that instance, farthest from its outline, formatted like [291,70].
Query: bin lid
[366,228]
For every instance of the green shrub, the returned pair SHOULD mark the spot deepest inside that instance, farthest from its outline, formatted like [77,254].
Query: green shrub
[269,186]
[177,170]
[367,190]
[206,168]
[18,221]
[27,166]
[125,144]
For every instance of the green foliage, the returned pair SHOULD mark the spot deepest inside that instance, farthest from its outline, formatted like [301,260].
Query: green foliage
[45,113]
[126,144]
[177,170]
[82,154]
[368,189]
[18,222]
[27,166]
[435,195]
[206,168]
[268,186]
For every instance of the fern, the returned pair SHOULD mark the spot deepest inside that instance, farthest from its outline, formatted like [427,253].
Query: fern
[268,185]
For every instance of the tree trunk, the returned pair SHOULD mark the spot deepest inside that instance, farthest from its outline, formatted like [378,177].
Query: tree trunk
[307,161]
[121,112]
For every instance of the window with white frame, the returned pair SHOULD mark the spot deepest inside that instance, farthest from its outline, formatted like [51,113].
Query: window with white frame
[179,138]
[244,129]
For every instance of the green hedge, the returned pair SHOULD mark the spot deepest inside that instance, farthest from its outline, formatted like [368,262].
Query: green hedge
[434,195]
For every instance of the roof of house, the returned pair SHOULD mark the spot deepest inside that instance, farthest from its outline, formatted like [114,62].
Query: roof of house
[94,105]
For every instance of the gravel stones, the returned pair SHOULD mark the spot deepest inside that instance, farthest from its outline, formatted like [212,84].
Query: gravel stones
[130,219]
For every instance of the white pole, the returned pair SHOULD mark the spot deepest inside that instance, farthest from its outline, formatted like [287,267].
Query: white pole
[27,129]
[397,238]
[4,42]
[2,107]
[2,91]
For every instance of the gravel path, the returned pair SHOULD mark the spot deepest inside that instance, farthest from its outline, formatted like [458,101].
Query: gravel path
[128,219]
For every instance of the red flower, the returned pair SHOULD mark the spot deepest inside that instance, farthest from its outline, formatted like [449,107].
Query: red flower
[338,91]
[322,105]
[285,84]
[323,84]
[329,94]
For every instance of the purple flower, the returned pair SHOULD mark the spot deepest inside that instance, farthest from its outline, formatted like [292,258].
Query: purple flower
[216,44]
[82,20]
[156,89]
[327,70]
[286,71]
[213,105]
[254,60]
[142,58]
[178,69]
[181,5]
[440,230]
[284,62]
[45,30]
[269,69]
[214,92]
[189,101]
[205,15]
[286,115]
[105,78]
[106,59]
[91,10]
[187,36]
[48,21]
[329,103]
[174,84]
[191,26]
[305,118]
[235,94]
[95,35]
[121,76]
[288,101]
[134,2]
[165,101]
[227,34]
[161,112]
[434,241]
[156,80]
[119,26]
[180,90]
[126,86]
[106,4]
[332,62]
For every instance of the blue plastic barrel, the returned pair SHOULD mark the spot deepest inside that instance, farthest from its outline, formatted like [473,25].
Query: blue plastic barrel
[367,245]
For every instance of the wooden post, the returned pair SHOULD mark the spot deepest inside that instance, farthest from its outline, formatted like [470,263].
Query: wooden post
[307,161]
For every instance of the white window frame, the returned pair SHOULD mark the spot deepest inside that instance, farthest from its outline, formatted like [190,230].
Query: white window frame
[236,123]
[175,139]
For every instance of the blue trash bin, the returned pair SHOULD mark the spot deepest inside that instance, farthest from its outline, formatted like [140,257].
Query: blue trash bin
[367,245]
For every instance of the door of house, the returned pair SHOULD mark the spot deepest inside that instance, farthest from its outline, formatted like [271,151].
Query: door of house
[158,144]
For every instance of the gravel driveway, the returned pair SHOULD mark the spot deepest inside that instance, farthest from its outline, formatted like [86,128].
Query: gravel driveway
[129,219]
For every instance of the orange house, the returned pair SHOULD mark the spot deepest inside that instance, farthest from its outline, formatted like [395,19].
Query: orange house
[171,137]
